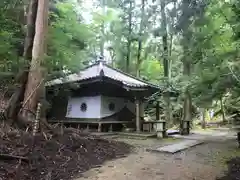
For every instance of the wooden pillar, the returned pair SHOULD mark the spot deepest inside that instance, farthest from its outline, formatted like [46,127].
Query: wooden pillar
[37,119]
[157,111]
[138,128]
[110,128]
[99,127]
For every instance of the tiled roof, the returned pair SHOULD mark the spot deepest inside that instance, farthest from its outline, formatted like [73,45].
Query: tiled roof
[94,71]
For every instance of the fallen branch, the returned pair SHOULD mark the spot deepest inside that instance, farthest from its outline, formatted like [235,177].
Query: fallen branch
[12,157]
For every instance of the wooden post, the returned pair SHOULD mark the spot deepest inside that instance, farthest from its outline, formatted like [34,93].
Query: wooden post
[157,111]
[37,119]
[110,128]
[141,113]
[138,128]
[99,127]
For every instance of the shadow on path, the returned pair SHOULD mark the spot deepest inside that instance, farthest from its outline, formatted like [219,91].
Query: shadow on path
[233,172]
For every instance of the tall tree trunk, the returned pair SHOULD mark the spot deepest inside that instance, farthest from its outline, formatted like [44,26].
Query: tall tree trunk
[35,76]
[164,40]
[165,63]
[222,110]
[170,55]
[138,65]
[184,26]
[22,77]
[203,118]
[171,39]
[31,19]
[187,111]
[187,107]
[129,39]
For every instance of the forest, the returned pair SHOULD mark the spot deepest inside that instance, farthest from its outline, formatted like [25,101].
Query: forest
[187,47]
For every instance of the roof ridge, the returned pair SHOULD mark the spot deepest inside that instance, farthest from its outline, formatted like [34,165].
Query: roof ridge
[97,69]
[127,74]
[81,69]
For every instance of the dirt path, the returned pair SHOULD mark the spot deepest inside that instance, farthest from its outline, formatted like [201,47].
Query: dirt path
[197,163]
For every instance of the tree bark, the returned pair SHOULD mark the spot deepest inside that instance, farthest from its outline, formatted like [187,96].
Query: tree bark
[223,110]
[171,39]
[187,107]
[14,103]
[138,65]
[166,94]
[31,19]
[129,39]
[35,76]
[184,27]
[164,40]
[203,118]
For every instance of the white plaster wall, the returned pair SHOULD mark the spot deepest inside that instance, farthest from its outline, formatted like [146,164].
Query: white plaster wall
[93,107]
[98,106]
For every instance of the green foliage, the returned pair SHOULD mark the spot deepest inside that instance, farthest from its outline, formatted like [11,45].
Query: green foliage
[205,33]
[68,39]
[11,35]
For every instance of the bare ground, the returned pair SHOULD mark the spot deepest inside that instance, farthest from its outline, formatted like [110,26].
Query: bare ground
[203,162]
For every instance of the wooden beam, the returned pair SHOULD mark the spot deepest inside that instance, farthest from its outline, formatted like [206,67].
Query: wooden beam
[66,121]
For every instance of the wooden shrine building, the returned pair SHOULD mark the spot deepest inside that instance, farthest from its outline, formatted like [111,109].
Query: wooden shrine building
[99,96]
